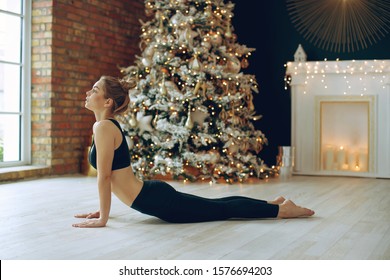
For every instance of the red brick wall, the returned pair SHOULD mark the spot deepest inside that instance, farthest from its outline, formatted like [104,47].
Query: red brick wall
[73,44]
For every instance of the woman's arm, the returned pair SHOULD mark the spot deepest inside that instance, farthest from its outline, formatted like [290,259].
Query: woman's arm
[105,146]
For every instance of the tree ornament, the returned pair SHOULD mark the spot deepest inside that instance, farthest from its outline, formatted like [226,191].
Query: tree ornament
[204,89]
[199,116]
[215,38]
[187,36]
[228,33]
[195,64]
[189,123]
[257,144]
[161,26]
[233,65]
[231,146]
[236,120]
[146,61]
[208,11]
[244,63]
[223,115]
[155,120]
[245,146]
[133,121]
[177,19]
[165,71]
[249,100]
[144,122]
[197,86]
[169,55]
[163,89]
[206,45]
[149,51]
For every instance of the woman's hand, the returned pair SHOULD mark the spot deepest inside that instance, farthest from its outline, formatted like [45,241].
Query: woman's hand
[91,223]
[95,215]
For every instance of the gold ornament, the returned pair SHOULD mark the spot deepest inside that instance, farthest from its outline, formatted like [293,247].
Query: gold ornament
[235,120]
[257,144]
[161,27]
[249,100]
[244,146]
[233,65]
[197,86]
[232,146]
[204,88]
[215,39]
[228,33]
[223,115]
[244,63]
[208,11]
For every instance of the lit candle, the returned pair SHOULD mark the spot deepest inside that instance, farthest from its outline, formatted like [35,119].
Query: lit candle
[341,157]
[344,166]
[352,161]
[363,160]
[329,157]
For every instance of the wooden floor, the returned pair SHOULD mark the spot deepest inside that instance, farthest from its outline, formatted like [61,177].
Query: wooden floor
[352,221]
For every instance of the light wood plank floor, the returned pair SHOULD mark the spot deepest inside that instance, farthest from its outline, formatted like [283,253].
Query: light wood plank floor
[352,221]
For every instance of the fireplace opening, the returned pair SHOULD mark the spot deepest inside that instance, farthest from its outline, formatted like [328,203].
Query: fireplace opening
[344,136]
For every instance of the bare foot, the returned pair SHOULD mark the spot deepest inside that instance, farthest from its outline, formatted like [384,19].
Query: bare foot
[277,201]
[289,209]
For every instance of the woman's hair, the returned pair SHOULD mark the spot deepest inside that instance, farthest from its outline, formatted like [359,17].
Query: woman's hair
[118,90]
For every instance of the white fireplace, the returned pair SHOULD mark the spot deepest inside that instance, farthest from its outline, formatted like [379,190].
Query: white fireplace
[341,117]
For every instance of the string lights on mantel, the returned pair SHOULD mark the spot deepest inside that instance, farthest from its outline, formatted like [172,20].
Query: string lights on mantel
[378,70]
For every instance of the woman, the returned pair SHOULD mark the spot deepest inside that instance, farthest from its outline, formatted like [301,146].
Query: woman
[110,156]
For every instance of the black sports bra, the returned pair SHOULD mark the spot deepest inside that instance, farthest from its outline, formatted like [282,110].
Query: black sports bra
[121,154]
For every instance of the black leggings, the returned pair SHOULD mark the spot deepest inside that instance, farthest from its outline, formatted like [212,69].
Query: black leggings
[161,200]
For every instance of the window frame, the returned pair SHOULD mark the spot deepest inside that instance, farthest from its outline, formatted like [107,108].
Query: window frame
[25,86]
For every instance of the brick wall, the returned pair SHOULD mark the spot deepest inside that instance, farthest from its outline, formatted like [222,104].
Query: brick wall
[73,44]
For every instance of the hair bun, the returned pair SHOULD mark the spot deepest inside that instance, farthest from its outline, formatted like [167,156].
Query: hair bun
[127,84]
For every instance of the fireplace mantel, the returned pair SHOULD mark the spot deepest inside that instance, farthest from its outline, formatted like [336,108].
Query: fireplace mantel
[365,85]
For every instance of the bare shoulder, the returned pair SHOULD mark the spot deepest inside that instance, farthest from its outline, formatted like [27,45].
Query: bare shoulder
[103,127]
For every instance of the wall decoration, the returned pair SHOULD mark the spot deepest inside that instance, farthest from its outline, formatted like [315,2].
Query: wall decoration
[341,25]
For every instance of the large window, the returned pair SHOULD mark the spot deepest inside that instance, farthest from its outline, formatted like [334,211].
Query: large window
[14,82]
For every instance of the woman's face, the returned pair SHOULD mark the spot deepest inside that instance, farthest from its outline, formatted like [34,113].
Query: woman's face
[95,99]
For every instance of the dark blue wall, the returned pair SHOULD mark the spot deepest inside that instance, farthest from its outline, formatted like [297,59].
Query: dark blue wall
[266,26]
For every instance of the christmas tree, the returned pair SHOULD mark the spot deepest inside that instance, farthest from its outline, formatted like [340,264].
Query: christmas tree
[191,113]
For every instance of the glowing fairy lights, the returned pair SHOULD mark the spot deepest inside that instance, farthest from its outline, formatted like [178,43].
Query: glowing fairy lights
[356,74]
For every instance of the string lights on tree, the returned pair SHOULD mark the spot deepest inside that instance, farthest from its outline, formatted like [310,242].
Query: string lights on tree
[191,114]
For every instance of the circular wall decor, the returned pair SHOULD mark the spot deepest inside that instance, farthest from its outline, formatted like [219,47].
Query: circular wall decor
[341,25]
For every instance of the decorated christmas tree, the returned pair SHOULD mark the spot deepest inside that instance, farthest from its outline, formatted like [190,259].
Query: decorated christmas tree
[191,114]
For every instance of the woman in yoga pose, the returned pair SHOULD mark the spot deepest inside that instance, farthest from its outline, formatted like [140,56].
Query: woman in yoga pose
[109,154]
